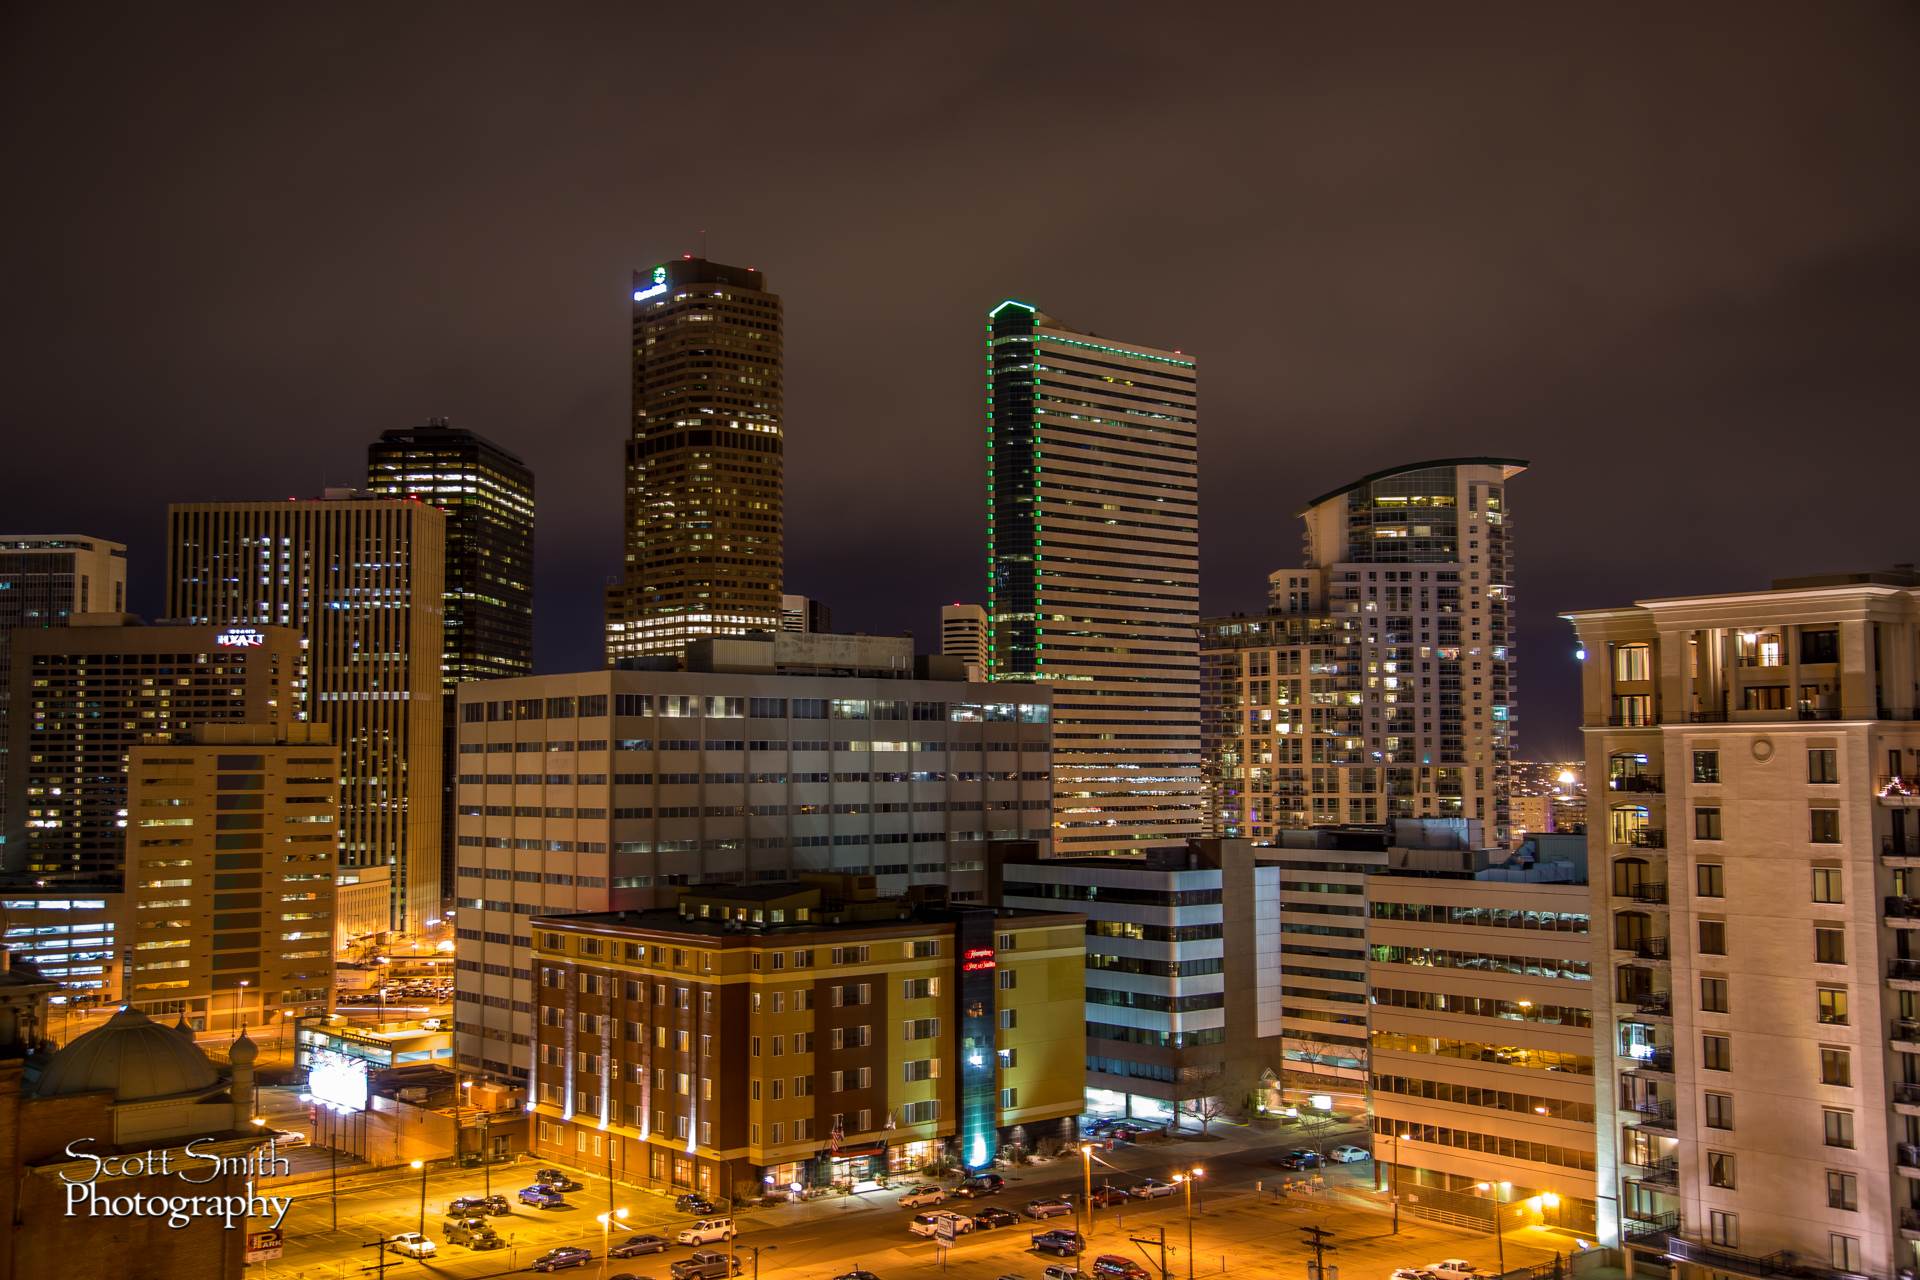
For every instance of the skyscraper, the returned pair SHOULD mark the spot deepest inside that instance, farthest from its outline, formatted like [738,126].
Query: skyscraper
[361,579]
[1093,538]
[1380,683]
[44,580]
[487,494]
[963,635]
[705,474]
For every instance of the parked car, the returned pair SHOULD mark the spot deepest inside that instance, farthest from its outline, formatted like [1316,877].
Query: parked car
[856,1274]
[634,1246]
[988,1219]
[1060,1241]
[1349,1155]
[1302,1159]
[410,1244]
[707,1231]
[287,1138]
[929,1224]
[565,1258]
[1412,1273]
[468,1206]
[1051,1207]
[466,1230]
[542,1197]
[1456,1269]
[1153,1189]
[981,1184]
[704,1264]
[556,1179]
[693,1203]
[1063,1271]
[915,1197]
[1107,1197]
[1119,1268]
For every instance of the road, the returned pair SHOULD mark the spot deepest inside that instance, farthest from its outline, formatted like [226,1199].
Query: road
[1237,1228]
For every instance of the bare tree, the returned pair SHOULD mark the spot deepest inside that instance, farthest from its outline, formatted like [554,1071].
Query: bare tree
[1206,1110]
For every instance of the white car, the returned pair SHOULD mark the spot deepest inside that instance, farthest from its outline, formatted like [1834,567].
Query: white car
[1349,1155]
[1456,1269]
[918,1196]
[929,1224]
[411,1244]
[707,1231]
[287,1138]
[1153,1189]
[1412,1273]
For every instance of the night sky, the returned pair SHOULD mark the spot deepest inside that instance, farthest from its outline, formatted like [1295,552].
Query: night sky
[1671,254]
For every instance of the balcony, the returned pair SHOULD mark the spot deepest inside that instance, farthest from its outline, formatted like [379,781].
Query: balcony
[1648,783]
[1907,1156]
[1664,1172]
[1902,854]
[1653,1004]
[1906,1099]
[1898,793]
[1652,1113]
[1904,1036]
[1647,838]
[1647,948]
[1719,1258]
[1903,913]
[1657,1062]
[1649,891]
[1910,1224]
[1650,1233]
[1904,974]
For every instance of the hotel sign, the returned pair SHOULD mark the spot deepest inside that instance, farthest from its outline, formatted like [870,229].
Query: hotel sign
[240,638]
[658,287]
[975,959]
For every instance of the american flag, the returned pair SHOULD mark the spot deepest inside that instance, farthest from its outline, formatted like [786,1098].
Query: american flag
[839,1133]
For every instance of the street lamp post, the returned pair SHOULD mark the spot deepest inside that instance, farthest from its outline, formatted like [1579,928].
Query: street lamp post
[421,1165]
[1393,1174]
[756,1255]
[606,1221]
[1187,1179]
[236,1001]
[1494,1190]
[1086,1170]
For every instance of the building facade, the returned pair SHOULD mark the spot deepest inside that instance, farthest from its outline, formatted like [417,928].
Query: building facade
[803,613]
[362,581]
[75,935]
[1183,970]
[1093,536]
[963,635]
[230,875]
[802,1034]
[1381,682]
[605,790]
[705,485]
[1480,1007]
[86,694]
[45,579]
[1750,759]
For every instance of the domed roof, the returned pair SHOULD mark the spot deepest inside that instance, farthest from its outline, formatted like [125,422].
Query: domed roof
[133,1056]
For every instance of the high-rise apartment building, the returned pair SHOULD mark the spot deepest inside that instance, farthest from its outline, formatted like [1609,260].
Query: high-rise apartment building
[1753,825]
[44,580]
[361,580]
[606,789]
[487,493]
[230,874]
[705,465]
[1093,538]
[85,695]
[807,1033]
[963,635]
[803,613]
[1380,683]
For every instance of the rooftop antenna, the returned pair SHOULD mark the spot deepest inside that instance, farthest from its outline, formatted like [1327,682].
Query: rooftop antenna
[703,242]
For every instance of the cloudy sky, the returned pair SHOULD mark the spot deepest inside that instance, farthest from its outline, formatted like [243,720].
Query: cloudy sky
[1670,253]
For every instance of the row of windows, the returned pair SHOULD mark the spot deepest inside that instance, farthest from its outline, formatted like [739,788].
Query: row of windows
[693,706]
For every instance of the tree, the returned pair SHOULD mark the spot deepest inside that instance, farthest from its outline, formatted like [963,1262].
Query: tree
[1206,1110]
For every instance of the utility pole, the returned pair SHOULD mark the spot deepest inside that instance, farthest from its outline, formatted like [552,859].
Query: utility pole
[1158,1241]
[1322,1242]
[381,1264]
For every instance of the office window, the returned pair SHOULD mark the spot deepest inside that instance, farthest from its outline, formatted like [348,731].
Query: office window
[1833,1006]
[1719,1111]
[1706,824]
[1716,1052]
[1839,1128]
[1827,885]
[1829,945]
[1709,880]
[1713,937]
[1823,765]
[1706,766]
[1836,1068]
[1825,825]
[1844,1252]
[1723,1228]
[1843,1190]
[1720,1170]
[1713,995]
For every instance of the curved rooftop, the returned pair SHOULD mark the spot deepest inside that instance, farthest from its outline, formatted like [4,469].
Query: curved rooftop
[131,1056]
[1511,466]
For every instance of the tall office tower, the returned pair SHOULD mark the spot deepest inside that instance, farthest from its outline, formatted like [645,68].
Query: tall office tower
[963,635]
[607,790]
[803,613]
[1380,683]
[705,471]
[1752,761]
[230,887]
[362,580]
[87,693]
[487,494]
[44,580]
[1093,540]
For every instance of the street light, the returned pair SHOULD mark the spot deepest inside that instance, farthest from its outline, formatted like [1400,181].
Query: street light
[756,1255]
[1495,1189]
[421,1165]
[606,1235]
[1393,1172]
[236,1000]
[1187,1180]
[1086,1169]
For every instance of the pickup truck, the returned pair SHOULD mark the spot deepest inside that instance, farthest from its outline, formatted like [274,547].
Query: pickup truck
[542,1197]
[704,1264]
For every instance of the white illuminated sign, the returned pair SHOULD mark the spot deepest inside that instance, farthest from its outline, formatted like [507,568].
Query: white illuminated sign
[241,638]
[336,1080]
[658,287]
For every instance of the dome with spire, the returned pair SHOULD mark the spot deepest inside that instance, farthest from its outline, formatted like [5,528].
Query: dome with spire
[134,1057]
